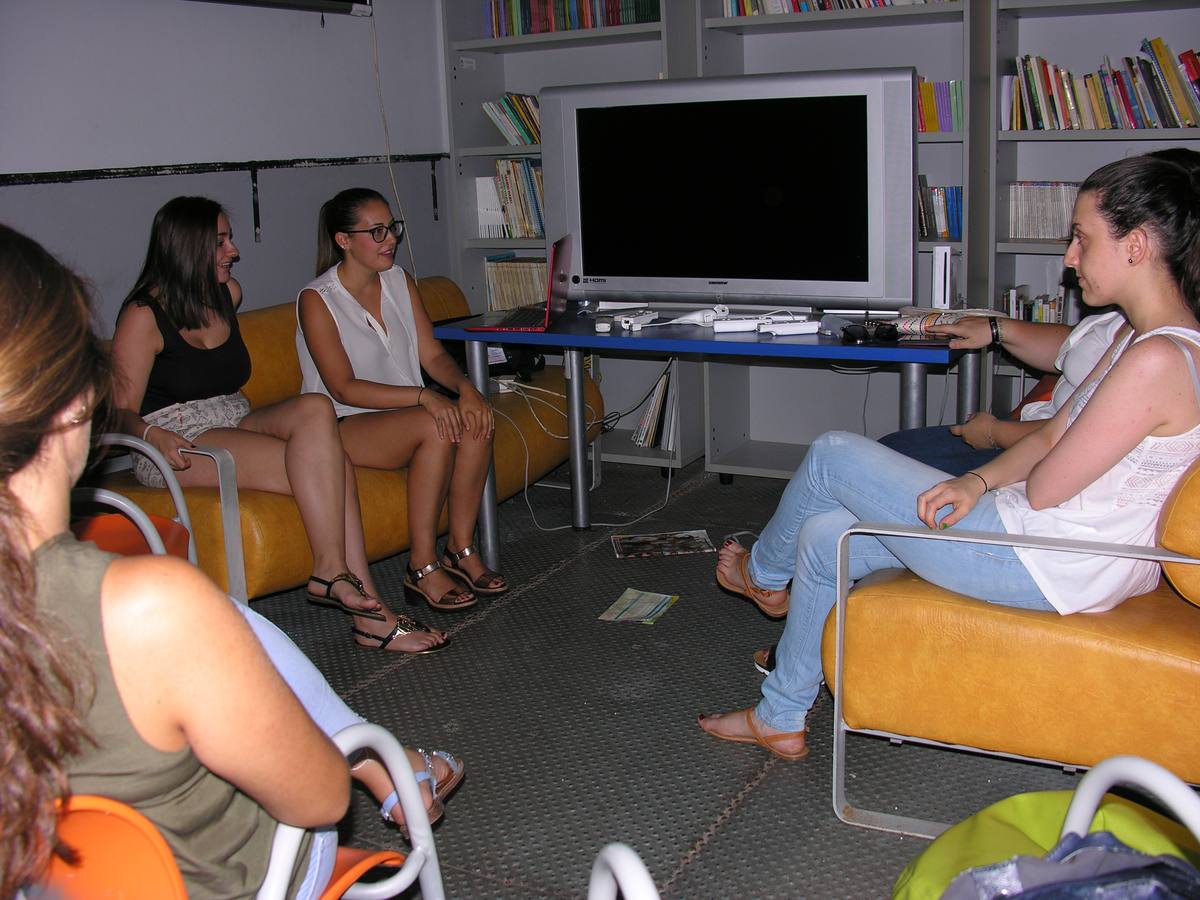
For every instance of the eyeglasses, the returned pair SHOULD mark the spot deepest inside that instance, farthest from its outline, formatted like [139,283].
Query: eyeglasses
[380,232]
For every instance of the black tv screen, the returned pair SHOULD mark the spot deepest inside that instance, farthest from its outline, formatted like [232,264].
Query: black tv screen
[771,188]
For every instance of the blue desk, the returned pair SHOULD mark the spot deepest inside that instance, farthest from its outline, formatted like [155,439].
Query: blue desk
[575,334]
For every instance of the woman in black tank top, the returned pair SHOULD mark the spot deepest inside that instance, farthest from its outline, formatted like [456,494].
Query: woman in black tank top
[180,364]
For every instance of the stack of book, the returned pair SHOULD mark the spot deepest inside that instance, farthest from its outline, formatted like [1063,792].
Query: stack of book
[1153,90]
[656,427]
[518,118]
[777,7]
[1042,308]
[513,18]
[939,105]
[513,281]
[510,205]
[939,211]
[1040,210]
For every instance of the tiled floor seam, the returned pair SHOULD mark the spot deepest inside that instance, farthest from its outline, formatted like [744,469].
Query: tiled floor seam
[710,832]
[489,607]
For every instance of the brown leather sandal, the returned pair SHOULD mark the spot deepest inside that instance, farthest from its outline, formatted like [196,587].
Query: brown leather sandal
[452,600]
[756,595]
[481,585]
[759,739]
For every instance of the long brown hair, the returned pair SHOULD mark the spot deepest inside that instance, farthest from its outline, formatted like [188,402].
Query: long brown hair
[49,359]
[181,263]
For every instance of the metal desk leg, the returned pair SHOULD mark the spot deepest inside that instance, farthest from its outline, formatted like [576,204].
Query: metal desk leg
[489,531]
[577,433]
[912,395]
[968,384]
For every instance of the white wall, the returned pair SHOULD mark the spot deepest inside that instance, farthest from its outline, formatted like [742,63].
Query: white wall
[87,84]
[118,83]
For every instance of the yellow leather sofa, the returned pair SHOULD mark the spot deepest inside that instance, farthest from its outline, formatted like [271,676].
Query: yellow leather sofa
[927,664]
[276,552]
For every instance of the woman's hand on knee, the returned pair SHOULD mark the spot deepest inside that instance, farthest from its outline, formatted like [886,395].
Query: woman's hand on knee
[961,494]
[445,414]
[168,443]
[477,414]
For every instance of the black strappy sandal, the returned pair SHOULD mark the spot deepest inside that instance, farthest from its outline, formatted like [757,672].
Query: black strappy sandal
[480,585]
[327,599]
[404,625]
[450,601]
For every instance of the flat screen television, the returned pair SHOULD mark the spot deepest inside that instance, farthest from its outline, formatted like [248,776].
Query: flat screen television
[792,189]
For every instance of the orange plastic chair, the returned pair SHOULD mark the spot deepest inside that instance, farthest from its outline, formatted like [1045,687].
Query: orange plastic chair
[120,854]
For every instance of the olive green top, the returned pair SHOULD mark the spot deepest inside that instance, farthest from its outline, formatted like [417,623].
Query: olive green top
[221,838]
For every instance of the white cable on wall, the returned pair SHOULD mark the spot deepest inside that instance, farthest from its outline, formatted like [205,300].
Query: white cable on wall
[387,144]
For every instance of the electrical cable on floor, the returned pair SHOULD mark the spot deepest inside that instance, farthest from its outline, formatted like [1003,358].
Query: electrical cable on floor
[521,389]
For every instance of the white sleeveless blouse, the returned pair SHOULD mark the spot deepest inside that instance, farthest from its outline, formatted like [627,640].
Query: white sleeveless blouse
[1121,507]
[382,352]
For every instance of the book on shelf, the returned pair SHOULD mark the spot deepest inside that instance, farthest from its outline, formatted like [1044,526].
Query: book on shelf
[939,105]
[519,187]
[649,430]
[517,117]
[514,281]
[939,211]
[735,8]
[1040,210]
[1155,89]
[514,18]
[1017,303]
[489,208]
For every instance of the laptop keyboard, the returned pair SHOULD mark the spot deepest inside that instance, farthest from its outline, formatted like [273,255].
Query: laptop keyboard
[524,317]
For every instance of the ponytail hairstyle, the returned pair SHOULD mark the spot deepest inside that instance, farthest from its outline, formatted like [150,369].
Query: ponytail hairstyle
[181,264]
[49,360]
[1159,192]
[340,214]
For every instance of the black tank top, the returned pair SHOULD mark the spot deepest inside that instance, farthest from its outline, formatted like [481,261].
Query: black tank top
[182,372]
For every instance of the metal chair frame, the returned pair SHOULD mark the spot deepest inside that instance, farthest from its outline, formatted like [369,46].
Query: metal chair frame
[618,868]
[422,861]
[227,490]
[917,827]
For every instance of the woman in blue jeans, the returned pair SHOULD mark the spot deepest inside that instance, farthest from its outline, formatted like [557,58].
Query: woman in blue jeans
[1099,470]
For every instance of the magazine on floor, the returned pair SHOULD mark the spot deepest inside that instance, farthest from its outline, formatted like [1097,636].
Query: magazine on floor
[667,543]
[644,607]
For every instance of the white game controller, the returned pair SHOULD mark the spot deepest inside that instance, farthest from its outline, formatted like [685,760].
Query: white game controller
[701,316]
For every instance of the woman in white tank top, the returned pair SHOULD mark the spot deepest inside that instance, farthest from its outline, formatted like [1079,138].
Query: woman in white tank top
[363,339]
[1099,470]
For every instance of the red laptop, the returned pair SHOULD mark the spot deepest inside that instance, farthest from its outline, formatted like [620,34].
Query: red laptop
[539,316]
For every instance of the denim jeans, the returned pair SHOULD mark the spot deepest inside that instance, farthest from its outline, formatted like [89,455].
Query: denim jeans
[846,478]
[936,446]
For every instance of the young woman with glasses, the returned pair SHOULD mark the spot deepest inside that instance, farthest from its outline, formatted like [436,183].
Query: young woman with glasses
[363,340]
[1099,470]
[180,364]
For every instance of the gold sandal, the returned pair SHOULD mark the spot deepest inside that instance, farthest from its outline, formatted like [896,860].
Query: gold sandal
[327,599]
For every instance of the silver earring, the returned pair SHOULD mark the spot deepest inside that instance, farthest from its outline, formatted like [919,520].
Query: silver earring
[79,418]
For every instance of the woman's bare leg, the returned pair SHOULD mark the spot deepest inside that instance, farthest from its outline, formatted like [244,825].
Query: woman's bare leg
[294,448]
[393,438]
[466,489]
